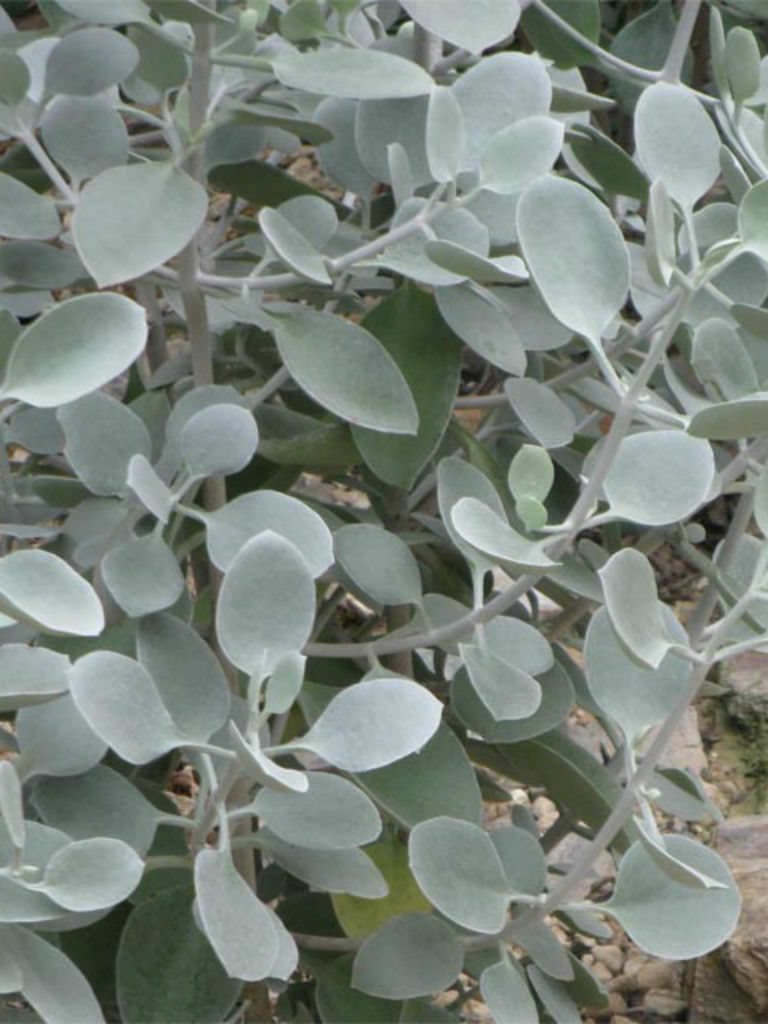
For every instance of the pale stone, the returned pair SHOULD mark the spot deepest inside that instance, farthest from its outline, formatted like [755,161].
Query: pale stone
[611,956]
[664,1003]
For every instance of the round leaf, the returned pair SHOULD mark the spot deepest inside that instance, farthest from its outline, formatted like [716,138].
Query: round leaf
[379,562]
[74,348]
[186,672]
[507,692]
[344,368]
[629,588]
[507,995]
[373,723]
[100,802]
[41,589]
[30,675]
[633,695]
[471,24]
[89,61]
[234,524]
[120,702]
[517,155]
[101,436]
[143,575]
[84,135]
[585,282]
[219,439]
[678,471]
[338,871]
[412,955]
[55,739]
[266,602]
[292,246]
[132,219]
[459,871]
[487,328]
[24,213]
[333,814]
[543,413]
[481,527]
[667,918]
[676,141]
[92,874]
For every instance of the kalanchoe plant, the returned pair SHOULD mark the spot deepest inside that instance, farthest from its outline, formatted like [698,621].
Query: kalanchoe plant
[192,338]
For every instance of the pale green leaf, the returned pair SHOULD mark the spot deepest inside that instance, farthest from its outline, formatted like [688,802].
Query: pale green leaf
[55,739]
[292,246]
[39,588]
[531,473]
[633,695]
[120,702]
[235,921]
[460,872]
[186,672]
[678,472]
[332,814]
[633,605]
[666,918]
[30,675]
[518,155]
[508,692]
[471,24]
[132,219]
[74,348]
[142,575]
[584,283]
[352,74]
[372,723]
[266,602]
[24,213]
[411,955]
[342,871]
[676,141]
[507,995]
[101,436]
[379,562]
[230,527]
[344,368]
[484,325]
[496,92]
[89,61]
[444,134]
[92,874]
[482,528]
[218,439]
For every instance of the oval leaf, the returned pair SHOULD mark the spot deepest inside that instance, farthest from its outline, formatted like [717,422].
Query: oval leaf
[676,141]
[585,282]
[411,955]
[74,348]
[678,471]
[344,368]
[459,871]
[158,211]
[39,588]
[352,74]
[219,439]
[235,921]
[373,723]
[266,602]
[379,563]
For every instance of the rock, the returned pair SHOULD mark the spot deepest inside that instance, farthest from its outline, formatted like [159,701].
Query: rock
[685,749]
[611,956]
[661,974]
[731,984]
[747,675]
[664,1003]
[545,812]
[602,972]
[745,837]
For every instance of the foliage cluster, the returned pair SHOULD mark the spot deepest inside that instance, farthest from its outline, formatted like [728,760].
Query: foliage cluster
[191,338]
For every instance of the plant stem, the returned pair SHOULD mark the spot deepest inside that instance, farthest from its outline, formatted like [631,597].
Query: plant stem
[29,139]
[673,65]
